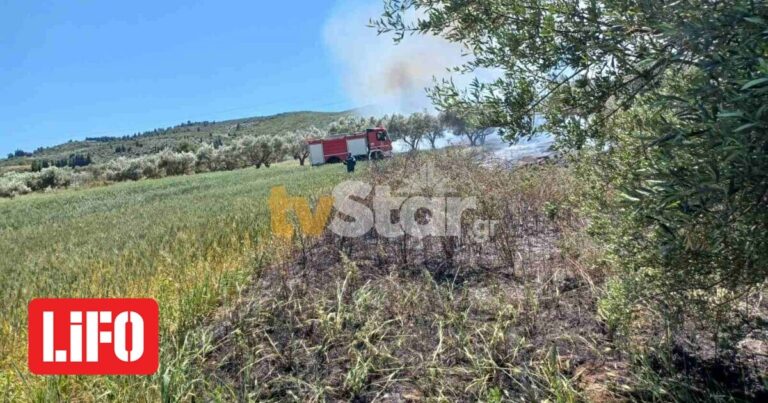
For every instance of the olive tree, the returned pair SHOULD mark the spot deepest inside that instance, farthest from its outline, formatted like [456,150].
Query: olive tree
[411,129]
[261,150]
[465,123]
[348,124]
[435,129]
[681,87]
[296,142]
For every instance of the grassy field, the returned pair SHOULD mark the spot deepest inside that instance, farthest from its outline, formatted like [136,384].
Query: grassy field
[190,242]
[519,316]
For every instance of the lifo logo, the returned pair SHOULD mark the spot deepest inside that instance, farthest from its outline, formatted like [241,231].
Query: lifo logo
[93,336]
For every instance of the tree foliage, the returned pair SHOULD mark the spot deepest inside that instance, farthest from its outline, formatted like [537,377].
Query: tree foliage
[671,98]
[261,150]
[435,129]
[415,128]
[73,161]
[463,123]
[348,125]
[296,142]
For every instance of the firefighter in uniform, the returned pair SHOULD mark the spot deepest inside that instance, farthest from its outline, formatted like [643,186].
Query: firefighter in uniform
[350,162]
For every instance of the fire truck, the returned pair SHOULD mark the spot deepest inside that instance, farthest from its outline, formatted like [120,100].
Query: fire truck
[370,144]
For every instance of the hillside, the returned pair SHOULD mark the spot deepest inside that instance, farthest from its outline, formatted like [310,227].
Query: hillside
[107,148]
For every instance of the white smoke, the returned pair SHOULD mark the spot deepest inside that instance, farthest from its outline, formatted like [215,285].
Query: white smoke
[378,73]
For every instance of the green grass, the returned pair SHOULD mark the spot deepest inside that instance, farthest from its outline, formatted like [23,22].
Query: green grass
[190,241]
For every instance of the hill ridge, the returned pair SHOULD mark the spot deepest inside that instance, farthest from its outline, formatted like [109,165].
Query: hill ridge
[106,148]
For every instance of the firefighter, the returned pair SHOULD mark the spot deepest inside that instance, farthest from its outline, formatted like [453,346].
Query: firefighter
[350,162]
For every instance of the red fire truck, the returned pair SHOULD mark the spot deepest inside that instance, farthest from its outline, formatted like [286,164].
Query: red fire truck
[370,144]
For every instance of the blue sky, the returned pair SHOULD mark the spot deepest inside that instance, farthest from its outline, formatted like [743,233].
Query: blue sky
[72,69]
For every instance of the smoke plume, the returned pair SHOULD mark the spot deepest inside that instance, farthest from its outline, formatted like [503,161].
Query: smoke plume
[378,73]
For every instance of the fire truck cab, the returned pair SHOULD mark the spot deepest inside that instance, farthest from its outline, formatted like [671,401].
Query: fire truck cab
[370,144]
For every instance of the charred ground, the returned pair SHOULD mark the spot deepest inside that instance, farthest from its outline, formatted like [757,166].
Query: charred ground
[515,318]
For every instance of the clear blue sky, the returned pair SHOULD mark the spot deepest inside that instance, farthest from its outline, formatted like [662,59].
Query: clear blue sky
[71,69]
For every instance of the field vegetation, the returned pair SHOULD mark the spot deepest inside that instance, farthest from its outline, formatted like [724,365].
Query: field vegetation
[191,242]
[530,313]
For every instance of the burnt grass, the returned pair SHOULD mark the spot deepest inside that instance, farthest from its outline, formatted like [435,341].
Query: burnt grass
[454,319]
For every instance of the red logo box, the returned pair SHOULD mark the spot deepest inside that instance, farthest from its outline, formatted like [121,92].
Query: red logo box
[93,336]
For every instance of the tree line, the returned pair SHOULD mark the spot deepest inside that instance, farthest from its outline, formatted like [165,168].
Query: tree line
[411,129]
[151,133]
[73,161]
[19,154]
[423,126]
[258,151]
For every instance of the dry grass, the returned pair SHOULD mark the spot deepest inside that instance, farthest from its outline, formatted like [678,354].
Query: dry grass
[440,319]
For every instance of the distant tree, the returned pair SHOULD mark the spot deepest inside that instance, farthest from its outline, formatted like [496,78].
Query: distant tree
[205,157]
[348,125]
[102,139]
[418,127]
[435,129]
[173,163]
[273,149]
[374,121]
[258,151]
[410,130]
[78,160]
[297,142]
[397,126]
[73,161]
[186,147]
[469,125]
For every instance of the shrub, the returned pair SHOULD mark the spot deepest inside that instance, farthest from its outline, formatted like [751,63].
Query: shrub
[15,184]
[124,169]
[177,163]
[150,166]
[205,156]
[228,158]
[250,150]
[12,185]
[52,177]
